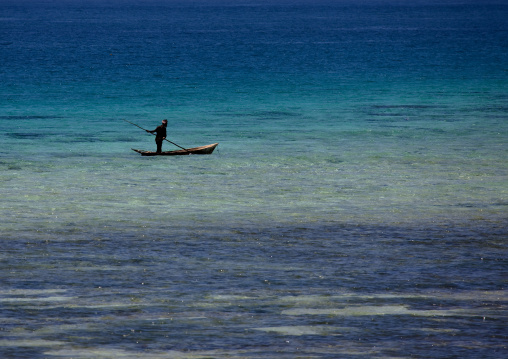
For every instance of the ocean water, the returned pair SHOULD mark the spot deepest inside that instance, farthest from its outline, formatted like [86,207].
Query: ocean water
[356,206]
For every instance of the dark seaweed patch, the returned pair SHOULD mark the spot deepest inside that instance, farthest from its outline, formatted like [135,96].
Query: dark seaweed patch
[418,107]
[78,139]
[227,114]
[378,114]
[10,166]
[261,114]
[28,117]
[26,136]
[274,114]
[492,109]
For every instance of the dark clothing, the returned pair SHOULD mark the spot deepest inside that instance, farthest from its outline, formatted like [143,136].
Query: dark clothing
[159,146]
[160,135]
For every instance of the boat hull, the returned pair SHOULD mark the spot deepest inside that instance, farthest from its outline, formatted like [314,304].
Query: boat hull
[202,150]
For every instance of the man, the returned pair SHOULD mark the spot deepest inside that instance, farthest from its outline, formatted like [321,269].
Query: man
[160,134]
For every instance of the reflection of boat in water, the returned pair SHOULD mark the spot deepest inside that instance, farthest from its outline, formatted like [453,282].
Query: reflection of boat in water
[202,150]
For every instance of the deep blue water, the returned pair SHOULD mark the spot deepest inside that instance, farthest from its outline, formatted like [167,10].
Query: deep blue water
[356,205]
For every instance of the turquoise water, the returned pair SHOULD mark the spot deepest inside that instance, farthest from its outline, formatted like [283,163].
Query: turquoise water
[355,206]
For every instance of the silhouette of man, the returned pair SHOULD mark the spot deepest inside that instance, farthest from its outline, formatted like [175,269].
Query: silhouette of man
[160,134]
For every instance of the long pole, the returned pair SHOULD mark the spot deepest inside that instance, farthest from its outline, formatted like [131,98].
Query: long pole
[154,135]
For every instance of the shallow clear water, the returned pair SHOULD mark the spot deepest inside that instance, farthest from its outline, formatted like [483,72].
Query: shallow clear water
[355,206]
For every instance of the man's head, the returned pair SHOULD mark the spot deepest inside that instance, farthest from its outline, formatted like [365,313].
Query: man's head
[164,122]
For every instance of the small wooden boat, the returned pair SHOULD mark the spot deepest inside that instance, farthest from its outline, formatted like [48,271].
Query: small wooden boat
[202,150]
